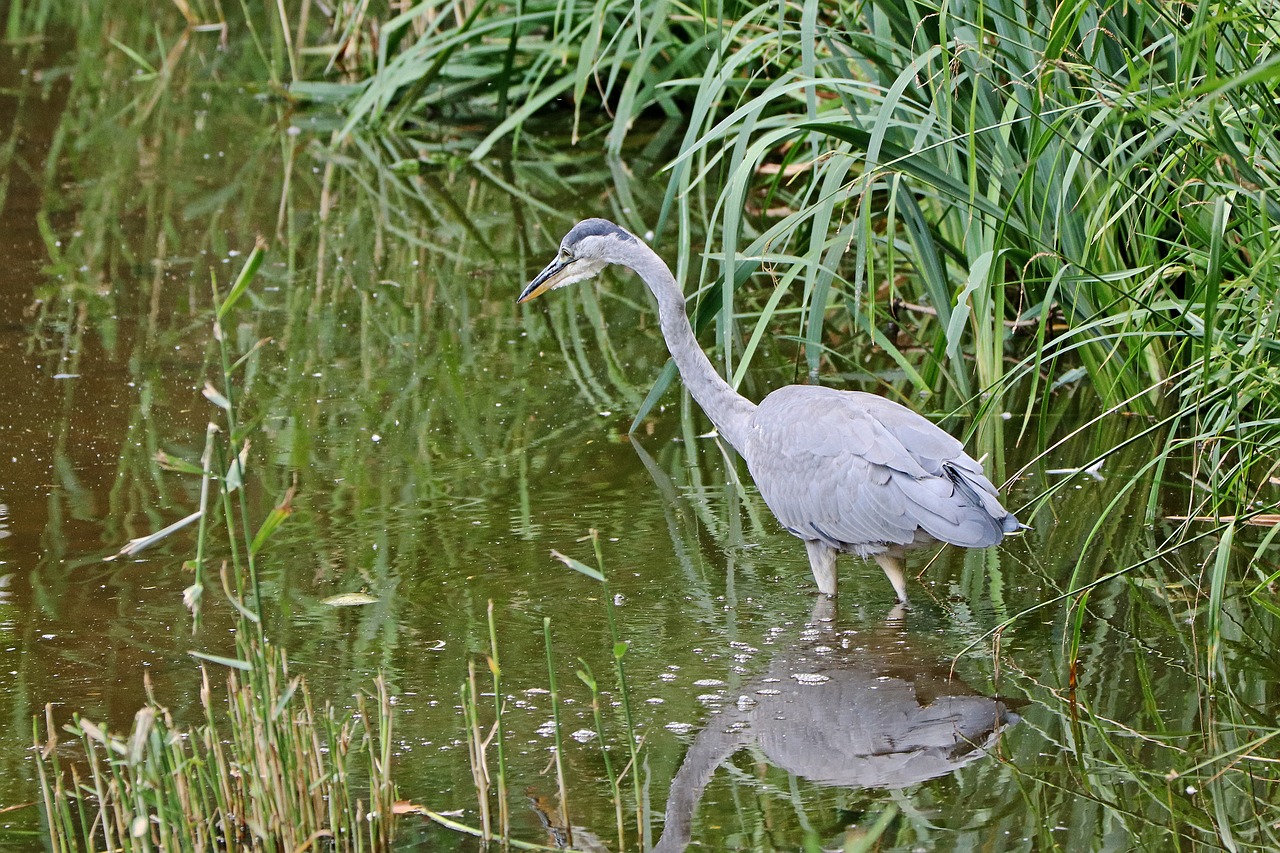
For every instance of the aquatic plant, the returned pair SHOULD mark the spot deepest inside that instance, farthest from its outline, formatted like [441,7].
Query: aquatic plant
[492,784]
[265,770]
[1151,663]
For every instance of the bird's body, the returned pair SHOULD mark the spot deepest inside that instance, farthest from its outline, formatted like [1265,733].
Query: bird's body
[843,470]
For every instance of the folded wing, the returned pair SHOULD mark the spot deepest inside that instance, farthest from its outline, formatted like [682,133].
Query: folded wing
[861,473]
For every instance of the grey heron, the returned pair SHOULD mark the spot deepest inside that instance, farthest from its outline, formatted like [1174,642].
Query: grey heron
[845,471]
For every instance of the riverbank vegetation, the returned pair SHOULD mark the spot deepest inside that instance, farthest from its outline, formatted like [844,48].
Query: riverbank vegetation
[1052,226]
[1009,200]
[267,769]
[1006,199]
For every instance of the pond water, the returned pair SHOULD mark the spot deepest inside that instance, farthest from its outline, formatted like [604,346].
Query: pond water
[443,441]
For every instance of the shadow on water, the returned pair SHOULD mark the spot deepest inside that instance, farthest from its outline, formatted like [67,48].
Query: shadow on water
[868,707]
[443,441]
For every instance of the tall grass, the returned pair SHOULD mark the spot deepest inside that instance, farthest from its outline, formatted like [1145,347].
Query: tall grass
[276,774]
[455,59]
[1153,686]
[1001,198]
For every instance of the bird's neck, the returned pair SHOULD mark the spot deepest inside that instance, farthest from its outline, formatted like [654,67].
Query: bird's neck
[728,410]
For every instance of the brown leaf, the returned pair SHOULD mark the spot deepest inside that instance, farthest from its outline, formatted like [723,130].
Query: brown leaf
[406,807]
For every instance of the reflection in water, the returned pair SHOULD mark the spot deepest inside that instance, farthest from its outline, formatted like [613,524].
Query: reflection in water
[853,708]
[559,835]
[418,411]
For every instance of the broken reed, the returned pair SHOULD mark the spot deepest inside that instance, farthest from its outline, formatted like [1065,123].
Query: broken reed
[478,743]
[266,773]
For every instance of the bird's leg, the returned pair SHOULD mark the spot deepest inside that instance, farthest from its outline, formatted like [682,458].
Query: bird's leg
[893,568]
[822,559]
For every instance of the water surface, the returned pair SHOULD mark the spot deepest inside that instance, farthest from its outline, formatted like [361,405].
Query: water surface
[443,441]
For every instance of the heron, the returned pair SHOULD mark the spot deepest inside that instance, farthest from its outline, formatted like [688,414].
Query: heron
[844,471]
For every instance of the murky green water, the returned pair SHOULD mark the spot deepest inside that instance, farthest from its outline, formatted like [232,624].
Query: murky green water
[444,441]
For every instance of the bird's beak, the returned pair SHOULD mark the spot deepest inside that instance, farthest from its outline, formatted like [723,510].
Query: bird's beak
[548,279]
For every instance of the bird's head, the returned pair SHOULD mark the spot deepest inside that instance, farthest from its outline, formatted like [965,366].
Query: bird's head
[589,247]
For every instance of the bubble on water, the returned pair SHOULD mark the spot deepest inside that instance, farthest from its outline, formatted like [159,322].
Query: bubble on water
[810,677]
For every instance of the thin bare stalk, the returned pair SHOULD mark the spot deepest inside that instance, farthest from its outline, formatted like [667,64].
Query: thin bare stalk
[495,667]
[555,718]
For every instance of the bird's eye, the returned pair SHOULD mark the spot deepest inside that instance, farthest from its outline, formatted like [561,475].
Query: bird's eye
[565,254]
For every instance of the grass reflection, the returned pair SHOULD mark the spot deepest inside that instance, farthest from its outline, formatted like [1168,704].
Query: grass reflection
[443,442]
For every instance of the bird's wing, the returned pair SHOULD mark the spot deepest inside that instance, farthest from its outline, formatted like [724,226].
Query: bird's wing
[855,469]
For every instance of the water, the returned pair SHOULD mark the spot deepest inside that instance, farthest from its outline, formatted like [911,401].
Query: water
[443,441]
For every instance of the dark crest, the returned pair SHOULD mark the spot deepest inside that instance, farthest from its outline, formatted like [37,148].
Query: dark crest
[595,228]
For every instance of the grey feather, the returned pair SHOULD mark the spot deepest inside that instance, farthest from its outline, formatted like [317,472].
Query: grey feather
[849,470]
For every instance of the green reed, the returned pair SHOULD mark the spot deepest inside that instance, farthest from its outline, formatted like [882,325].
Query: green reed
[620,673]
[266,769]
[619,651]
[587,677]
[481,736]
[495,668]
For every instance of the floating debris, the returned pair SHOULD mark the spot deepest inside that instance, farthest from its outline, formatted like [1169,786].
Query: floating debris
[349,599]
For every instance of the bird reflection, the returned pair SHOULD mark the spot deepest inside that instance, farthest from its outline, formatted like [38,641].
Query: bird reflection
[873,708]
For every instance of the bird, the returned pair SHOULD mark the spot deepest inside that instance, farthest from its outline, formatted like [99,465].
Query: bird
[844,471]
